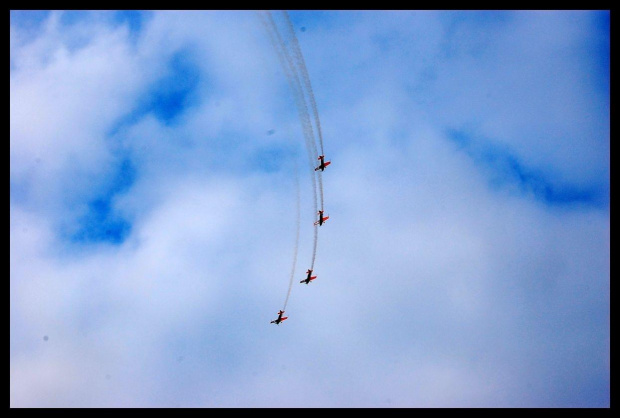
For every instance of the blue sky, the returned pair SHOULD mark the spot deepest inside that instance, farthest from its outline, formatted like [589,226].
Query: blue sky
[153,210]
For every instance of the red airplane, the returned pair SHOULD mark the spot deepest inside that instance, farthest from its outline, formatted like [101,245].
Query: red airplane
[321,218]
[280,318]
[309,278]
[323,163]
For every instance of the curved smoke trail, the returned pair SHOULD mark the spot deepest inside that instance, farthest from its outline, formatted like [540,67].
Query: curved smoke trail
[306,123]
[301,63]
[303,70]
[298,222]
[292,77]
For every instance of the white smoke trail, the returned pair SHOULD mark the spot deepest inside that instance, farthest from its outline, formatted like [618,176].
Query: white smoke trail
[292,77]
[301,63]
[302,108]
[291,71]
[298,225]
[288,64]
[303,70]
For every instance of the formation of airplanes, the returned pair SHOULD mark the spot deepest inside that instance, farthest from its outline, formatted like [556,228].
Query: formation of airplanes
[320,222]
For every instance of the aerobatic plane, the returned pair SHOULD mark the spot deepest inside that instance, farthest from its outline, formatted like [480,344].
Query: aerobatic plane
[321,218]
[323,163]
[280,318]
[309,278]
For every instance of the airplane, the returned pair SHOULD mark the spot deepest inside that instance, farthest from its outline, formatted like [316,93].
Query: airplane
[321,218]
[309,278]
[323,163]
[280,318]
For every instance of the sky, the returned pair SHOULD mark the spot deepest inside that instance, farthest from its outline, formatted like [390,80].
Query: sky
[162,209]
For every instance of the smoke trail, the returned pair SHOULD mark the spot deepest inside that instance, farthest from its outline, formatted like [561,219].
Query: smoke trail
[298,222]
[321,187]
[301,63]
[295,86]
[303,70]
[288,65]
[294,82]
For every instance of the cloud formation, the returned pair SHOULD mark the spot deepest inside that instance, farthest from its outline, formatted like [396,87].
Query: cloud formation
[467,257]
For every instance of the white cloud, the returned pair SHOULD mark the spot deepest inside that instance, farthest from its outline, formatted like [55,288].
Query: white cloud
[433,288]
